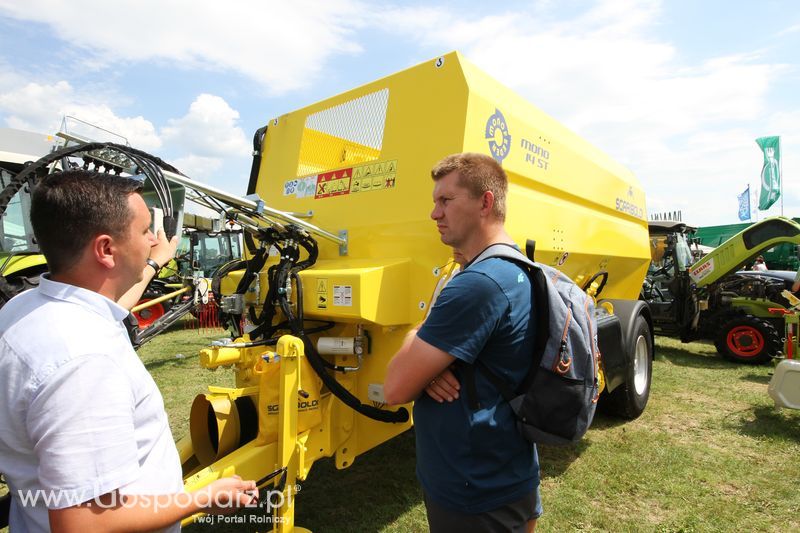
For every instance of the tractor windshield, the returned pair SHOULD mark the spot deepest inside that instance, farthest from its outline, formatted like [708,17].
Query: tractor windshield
[683,253]
[15,225]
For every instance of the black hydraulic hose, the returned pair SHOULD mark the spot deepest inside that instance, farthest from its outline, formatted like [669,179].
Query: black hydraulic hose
[299,290]
[153,167]
[312,249]
[264,320]
[161,188]
[336,388]
[254,266]
[252,247]
[604,274]
[216,281]
[258,141]
[327,324]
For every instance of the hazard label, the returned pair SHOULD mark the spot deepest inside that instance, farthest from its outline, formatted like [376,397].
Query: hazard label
[334,183]
[374,177]
[343,295]
[322,293]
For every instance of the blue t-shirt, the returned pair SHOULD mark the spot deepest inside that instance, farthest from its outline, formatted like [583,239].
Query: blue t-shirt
[476,461]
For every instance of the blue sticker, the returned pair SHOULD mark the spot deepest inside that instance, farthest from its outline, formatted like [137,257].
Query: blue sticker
[494,126]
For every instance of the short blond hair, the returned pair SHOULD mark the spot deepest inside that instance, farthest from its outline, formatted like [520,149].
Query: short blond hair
[477,173]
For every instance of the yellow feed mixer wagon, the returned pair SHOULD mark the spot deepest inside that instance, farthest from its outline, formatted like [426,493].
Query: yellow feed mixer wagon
[349,260]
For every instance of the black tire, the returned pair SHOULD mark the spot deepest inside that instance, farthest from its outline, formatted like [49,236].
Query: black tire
[17,283]
[748,340]
[629,399]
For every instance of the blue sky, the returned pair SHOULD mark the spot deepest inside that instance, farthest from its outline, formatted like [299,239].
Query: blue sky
[676,90]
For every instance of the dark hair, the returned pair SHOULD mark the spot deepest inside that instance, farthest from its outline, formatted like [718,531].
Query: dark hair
[69,209]
[477,173]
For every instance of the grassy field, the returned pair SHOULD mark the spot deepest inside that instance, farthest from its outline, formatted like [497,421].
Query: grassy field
[710,453]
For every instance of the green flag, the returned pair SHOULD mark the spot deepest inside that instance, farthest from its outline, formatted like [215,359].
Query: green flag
[771,172]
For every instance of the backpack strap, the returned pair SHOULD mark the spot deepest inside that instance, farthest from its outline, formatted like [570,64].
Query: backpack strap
[541,314]
[467,373]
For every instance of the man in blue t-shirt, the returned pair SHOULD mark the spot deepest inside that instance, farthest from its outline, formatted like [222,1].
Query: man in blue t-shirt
[477,472]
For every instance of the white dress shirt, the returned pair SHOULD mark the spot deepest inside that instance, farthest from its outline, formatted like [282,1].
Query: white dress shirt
[80,416]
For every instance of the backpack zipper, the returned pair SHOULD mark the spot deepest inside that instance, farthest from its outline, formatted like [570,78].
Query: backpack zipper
[595,355]
[563,361]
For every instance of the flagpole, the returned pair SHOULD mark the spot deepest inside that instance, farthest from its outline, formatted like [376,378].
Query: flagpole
[780,170]
[756,209]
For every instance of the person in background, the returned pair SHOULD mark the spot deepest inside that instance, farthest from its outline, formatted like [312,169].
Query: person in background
[760,264]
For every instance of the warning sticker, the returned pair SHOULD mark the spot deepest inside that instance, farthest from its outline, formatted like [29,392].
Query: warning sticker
[702,270]
[343,295]
[376,176]
[322,293]
[372,177]
[334,183]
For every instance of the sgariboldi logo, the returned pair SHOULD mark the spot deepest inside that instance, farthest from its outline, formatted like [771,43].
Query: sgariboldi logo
[498,136]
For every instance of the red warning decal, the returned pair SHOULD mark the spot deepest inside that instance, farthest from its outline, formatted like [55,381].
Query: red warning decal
[334,183]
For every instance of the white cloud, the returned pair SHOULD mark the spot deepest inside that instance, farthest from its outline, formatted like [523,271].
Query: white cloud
[40,107]
[280,45]
[197,167]
[208,128]
[686,130]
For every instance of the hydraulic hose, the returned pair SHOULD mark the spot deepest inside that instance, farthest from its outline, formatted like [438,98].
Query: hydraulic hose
[381,415]
[258,141]
[336,388]
[278,275]
[149,165]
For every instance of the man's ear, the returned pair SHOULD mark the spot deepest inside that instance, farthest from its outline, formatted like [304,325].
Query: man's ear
[103,248]
[487,203]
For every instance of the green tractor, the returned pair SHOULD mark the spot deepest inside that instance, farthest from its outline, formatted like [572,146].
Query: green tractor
[203,249]
[781,257]
[19,267]
[712,298]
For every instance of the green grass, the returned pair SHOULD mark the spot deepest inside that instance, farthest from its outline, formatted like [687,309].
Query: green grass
[710,453]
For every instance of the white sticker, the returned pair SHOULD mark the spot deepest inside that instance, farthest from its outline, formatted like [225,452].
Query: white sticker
[703,270]
[343,295]
[300,187]
[289,188]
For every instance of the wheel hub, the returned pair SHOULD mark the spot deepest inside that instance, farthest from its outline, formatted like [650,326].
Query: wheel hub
[640,365]
[745,341]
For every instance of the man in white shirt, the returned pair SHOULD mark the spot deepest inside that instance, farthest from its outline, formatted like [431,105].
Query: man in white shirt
[85,444]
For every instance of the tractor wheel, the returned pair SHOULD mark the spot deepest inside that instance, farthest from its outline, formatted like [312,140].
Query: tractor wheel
[630,399]
[749,340]
[17,283]
[147,316]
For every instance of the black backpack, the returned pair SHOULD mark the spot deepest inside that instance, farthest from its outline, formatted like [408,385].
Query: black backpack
[556,401]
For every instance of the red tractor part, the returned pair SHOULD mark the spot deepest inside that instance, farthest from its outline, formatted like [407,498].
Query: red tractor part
[150,314]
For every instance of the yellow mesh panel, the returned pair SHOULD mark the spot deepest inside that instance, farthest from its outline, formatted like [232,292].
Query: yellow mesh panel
[343,135]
